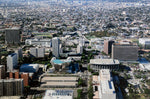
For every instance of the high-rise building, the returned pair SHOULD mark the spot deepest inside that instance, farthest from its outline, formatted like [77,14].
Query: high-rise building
[19,53]
[37,52]
[55,46]
[1,88]
[41,52]
[108,46]
[79,49]
[125,51]
[144,42]
[33,52]
[2,71]
[12,36]
[11,87]
[12,62]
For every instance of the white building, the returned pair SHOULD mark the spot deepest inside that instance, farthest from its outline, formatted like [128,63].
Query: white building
[37,52]
[79,49]
[39,42]
[12,62]
[19,53]
[33,52]
[144,66]
[58,94]
[41,52]
[105,87]
[55,46]
[145,42]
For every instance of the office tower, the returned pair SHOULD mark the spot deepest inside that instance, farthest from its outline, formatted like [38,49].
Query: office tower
[12,62]
[19,53]
[144,42]
[18,87]
[11,87]
[79,49]
[33,52]
[2,71]
[41,52]
[12,36]
[1,88]
[125,52]
[108,46]
[8,87]
[55,46]
[37,52]
[25,77]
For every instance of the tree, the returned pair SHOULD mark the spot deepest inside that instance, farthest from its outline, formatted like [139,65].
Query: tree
[79,91]
[90,91]
[80,82]
[89,69]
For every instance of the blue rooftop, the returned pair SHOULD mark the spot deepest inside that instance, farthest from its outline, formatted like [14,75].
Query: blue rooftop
[57,61]
[143,60]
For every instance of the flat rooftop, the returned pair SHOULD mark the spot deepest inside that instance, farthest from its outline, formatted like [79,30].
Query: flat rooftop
[59,84]
[57,61]
[60,78]
[107,87]
[58,94]
[10,97]
[104,61]
[104,74]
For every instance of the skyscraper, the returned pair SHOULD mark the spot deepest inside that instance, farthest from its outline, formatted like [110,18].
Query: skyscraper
[41,52]
[108,46]
[37,52]
[12,36]
[2,71]
[19,53]
[11,87]
[55,46]
[125,52]
[12,62]
[33,52]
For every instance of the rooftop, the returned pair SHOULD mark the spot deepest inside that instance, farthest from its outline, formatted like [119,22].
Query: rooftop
[104,61]
[107,87]
[61,94]
[59,84]
[60,78]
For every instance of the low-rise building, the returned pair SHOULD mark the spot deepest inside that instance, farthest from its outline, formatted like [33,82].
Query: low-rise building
[97,64]
[30,68]
[48,81]
[58,94]
[39,42]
